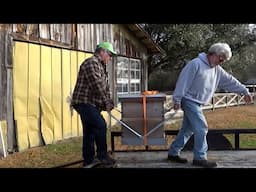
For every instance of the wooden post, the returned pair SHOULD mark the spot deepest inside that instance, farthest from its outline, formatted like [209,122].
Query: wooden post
[10,118]
[74,36]
[2,78]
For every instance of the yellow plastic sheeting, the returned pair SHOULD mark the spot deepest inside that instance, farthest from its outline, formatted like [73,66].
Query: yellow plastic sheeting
[33,80]
[20,79]
[20,93]
[66,92]
[47,117]
[22,133]
[44,78]
[34,134]
[56,93]
[80,58]
[46,74]
[73,65]
[47,121]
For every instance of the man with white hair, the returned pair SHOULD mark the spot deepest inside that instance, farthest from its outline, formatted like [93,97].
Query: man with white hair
[196,85]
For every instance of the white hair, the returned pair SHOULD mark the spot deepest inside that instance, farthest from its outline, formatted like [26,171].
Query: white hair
[221,49]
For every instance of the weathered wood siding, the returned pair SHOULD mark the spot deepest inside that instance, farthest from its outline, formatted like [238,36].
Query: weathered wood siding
[73,37]
[83,37]
[89,35]
[126,44]
[3,76]
[6,96]
[56,32]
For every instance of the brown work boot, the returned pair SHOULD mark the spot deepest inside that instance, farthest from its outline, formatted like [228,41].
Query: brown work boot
[177,159]
[204,163]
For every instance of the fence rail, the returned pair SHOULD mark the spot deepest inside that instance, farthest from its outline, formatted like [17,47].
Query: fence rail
[220,100]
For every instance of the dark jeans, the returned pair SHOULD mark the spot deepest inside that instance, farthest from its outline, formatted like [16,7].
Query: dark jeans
[94,129]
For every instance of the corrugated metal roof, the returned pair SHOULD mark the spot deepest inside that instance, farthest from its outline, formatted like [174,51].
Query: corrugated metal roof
[145,38]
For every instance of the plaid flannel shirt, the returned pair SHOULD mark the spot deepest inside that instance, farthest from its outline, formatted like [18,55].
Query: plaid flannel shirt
[92,84]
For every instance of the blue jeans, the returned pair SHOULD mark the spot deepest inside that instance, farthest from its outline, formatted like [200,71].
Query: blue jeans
[94,129]
[195,123]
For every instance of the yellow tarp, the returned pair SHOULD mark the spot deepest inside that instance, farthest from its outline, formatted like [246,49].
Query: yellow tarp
[56,93]
[20,93]
[43,80]
[73,70]
[47,121]
[34,133]
[66,93]
[47,116]
[22,133]
[20,79]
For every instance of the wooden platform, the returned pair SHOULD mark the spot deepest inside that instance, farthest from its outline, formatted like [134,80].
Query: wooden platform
[158,159]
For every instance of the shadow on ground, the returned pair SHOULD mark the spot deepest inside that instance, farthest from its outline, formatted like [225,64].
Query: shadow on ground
[215,142]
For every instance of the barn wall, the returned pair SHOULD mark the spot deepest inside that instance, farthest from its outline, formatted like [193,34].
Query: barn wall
[89,35]
[3,76]
[126,44]
[46,68]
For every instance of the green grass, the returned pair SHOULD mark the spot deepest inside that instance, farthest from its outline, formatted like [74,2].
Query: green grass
[65,147]
[246,140]
[244,124]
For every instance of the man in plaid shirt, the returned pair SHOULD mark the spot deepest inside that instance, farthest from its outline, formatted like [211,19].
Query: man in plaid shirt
[91,96]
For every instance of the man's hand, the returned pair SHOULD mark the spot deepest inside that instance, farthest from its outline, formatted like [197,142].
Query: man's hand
[109,106]
[176,106]
[248,98]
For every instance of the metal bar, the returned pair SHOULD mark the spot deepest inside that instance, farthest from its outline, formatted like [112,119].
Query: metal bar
[126,126]
[144,106]
[160,124]
[117,110]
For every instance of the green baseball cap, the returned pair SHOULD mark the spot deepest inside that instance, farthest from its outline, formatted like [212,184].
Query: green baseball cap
[108,46]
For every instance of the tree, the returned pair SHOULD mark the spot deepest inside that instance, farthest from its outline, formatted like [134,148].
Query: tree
[183,42]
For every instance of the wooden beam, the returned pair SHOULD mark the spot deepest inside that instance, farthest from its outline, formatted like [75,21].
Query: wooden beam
[41,41]
[11,138]
[74,36]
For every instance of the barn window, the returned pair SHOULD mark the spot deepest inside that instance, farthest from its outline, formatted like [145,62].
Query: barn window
[128,76]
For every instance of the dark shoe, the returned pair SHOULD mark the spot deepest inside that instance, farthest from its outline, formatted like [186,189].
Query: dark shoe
[205,163]
[93,164]
[108,161]
[177,159]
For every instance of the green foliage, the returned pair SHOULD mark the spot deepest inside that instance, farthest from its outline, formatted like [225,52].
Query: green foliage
[183,42]
[162,81]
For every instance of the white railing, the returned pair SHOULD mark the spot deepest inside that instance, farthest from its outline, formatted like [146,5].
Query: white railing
[219,100]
